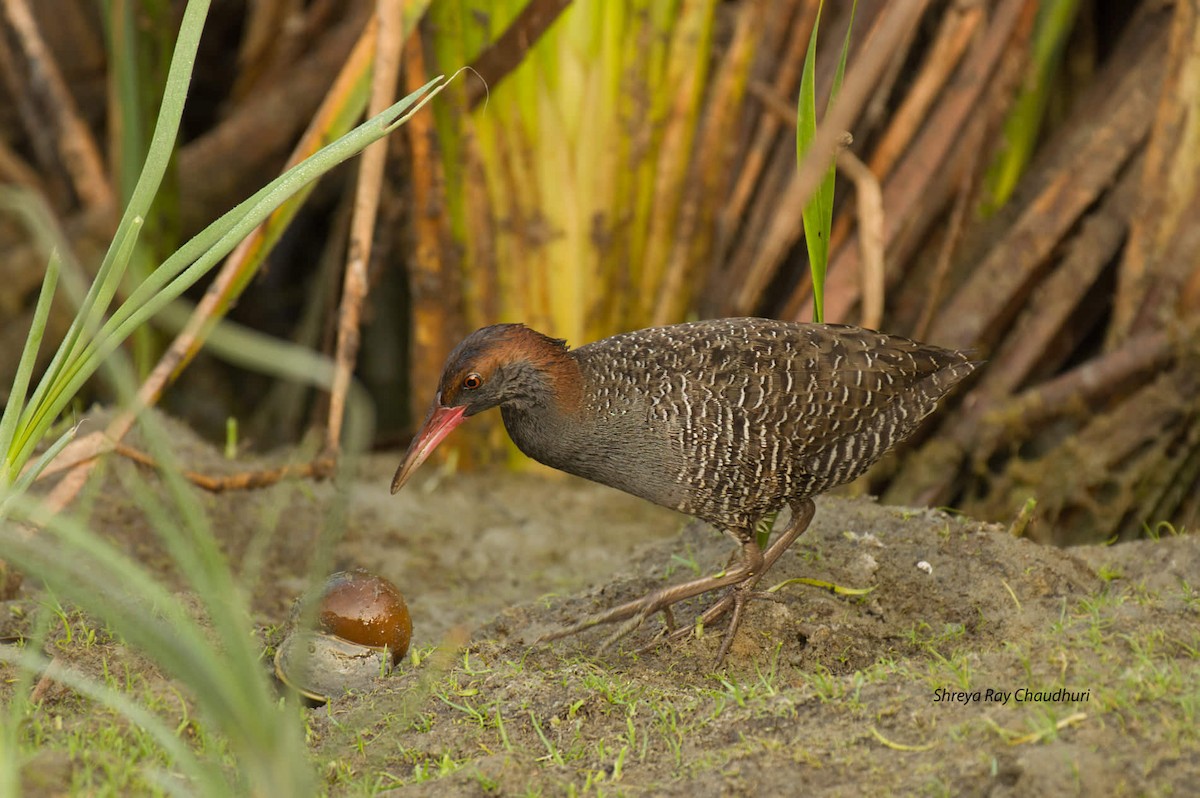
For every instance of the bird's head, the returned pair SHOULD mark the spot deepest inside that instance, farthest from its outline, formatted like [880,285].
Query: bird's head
[504,364]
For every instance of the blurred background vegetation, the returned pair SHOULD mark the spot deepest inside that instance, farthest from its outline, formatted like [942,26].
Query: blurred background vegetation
[1020,178]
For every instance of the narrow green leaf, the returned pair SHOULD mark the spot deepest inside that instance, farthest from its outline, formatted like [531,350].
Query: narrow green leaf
[841,67]
[806,128]
[25,479]
[45,398]
[20,386]
[1023,125]
[818,213]
[162,144]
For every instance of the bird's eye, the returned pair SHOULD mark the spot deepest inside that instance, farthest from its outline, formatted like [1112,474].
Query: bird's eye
[472,381]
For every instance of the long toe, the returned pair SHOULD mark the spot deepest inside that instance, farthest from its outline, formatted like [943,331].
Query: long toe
[705,620]
[624,630]
[740,598]
[715,612]
[634,611]
[640,609]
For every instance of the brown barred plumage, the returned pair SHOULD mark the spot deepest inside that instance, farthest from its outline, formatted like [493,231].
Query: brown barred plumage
[726,420]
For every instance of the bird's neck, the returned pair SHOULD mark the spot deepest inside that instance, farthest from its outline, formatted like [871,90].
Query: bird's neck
[545,423]
[542,431]
[551,383]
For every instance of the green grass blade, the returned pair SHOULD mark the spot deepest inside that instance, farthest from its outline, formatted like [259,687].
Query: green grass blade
[40,222]
[91,572]
[116,260]
[26,478]
[196,258]
[204,776]
[1023,125]
[215,242]
[219,238]
[806,128]
[840,72]
[224,674]
[33,342]
[818,212]
[158,156]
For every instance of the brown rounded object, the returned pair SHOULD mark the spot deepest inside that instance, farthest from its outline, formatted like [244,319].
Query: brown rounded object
[366,609]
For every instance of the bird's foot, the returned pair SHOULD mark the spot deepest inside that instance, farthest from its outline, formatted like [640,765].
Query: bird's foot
[634,613]
[671,633]
[737,597]
[743,578]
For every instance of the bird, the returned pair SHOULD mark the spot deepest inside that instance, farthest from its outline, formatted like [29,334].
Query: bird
[726,420]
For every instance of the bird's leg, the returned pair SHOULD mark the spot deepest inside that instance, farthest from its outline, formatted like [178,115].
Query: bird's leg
[802,514]
[749,563]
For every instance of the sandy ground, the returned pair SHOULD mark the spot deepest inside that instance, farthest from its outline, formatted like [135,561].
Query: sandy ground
[941,680]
